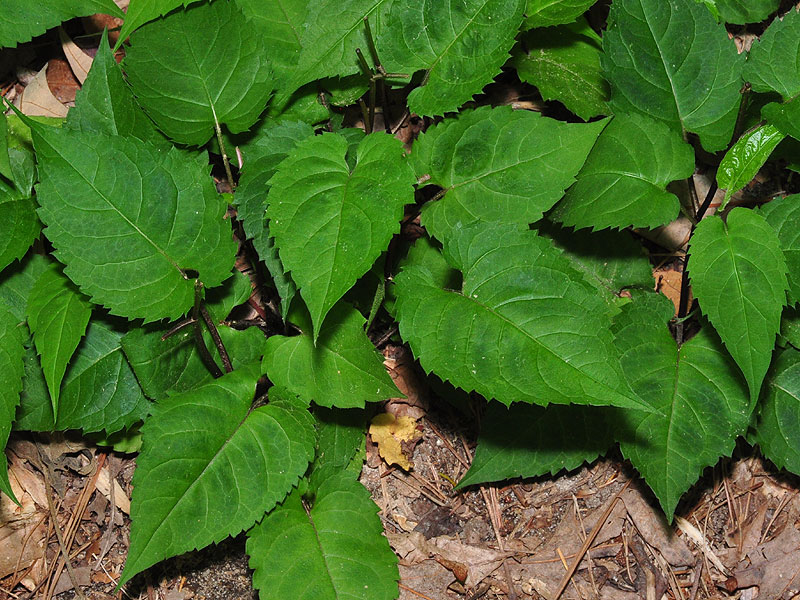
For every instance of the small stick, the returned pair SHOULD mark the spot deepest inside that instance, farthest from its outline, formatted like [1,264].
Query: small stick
[177,327]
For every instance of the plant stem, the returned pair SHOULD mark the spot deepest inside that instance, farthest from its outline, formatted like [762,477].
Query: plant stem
[212,328]
[225,162]
[205,355]
[683,304]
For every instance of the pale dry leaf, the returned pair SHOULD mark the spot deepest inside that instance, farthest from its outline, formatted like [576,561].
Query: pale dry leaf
[104,487]
[38,101]
[395,438]
[79,61]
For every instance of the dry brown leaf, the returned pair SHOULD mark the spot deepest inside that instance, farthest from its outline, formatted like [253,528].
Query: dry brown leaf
[772,566]
[654,530]
[19,547]
[395,438]
[37,99]
[79,61]
[469,564]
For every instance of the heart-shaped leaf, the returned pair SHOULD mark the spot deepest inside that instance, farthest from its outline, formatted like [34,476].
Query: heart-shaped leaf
[342,369]
[691,82]
[331,220]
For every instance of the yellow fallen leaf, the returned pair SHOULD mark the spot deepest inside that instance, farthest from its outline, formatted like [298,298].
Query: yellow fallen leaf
[389,432]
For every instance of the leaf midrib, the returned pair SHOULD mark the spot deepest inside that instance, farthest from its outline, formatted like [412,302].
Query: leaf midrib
[545,347]
[115,208]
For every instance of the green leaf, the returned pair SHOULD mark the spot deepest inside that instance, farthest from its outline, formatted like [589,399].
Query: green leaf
[426,253]
[746,11]
[565,66]
[790,326]
[57,315]
[19,226]
[334,550]
[699,400]
[35,411]
[158,214]
[332,31]
[142,11]
[262,155]
[770,64]
[544,13]
[672,62]
[199,67]
[281,24]
[738,275]
[622,182]
[778,430]
[342,369]
[105,103]
[783,214]
[528,441]
[741,163]
[499,165]
[461,45]
[21,20]
[99,392]
[331,221]
[12,354]
[172,366]
[610,261]
[16,282]
[523,328]
[210,467]
[340,436]
[784,116]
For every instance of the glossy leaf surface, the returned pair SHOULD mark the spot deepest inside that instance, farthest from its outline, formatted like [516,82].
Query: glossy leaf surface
[741,163]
